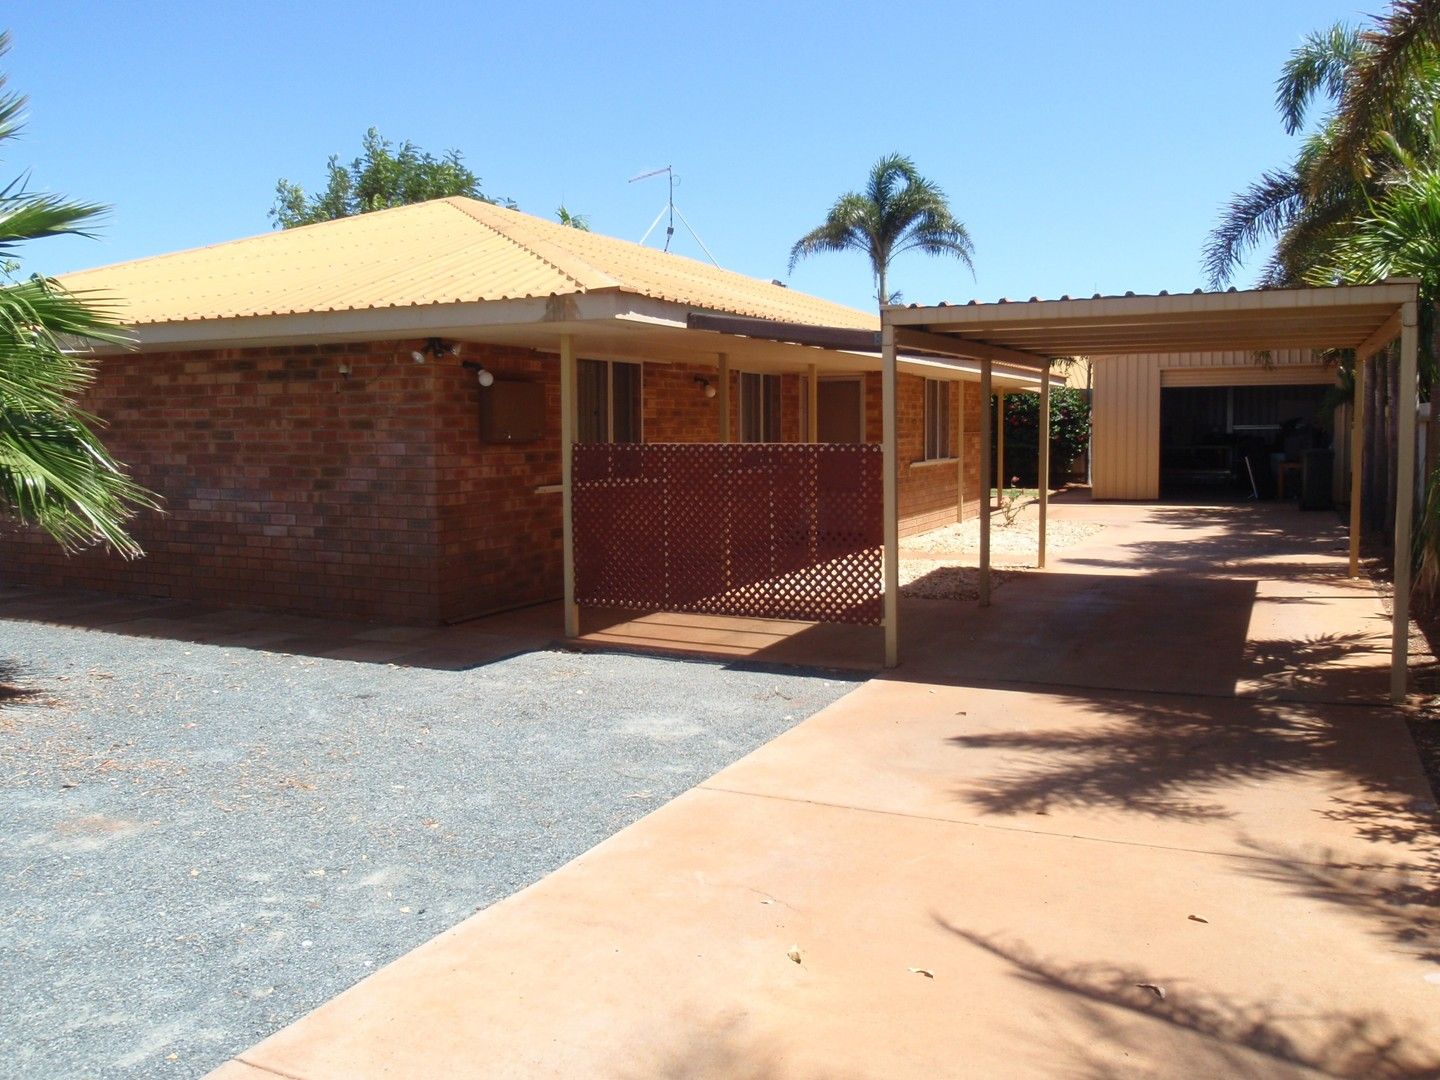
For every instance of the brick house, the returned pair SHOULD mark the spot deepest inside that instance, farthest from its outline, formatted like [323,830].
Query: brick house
[361,418]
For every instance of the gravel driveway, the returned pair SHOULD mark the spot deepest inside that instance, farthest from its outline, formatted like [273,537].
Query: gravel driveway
[203,843]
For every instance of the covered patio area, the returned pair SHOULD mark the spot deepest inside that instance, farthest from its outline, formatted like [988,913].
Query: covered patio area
[1365,319]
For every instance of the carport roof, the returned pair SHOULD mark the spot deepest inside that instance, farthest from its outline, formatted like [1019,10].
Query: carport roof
[1352,316]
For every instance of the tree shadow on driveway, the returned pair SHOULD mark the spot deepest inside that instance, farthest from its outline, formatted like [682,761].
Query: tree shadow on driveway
[1159,755]
[1197,760]
[1145,1016]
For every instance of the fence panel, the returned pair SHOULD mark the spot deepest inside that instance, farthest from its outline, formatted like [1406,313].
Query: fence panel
[765,530]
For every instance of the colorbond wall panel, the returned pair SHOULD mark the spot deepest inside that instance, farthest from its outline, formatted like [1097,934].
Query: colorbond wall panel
[1126,426]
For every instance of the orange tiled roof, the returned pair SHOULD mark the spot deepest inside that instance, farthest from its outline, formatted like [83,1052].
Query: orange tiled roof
[447,251]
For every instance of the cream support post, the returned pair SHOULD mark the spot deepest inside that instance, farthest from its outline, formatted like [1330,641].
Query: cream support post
[960,460]
[1405,406]
[1000,449]
[812,403]
[1357,454]
[986,424]
[1043,460]
[568,391]
[724,396]
[890,463]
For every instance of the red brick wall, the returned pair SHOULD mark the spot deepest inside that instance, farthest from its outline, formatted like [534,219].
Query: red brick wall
[291,487]
[500,543]
[973,489]
[676,408]
[286,485]
[928,492]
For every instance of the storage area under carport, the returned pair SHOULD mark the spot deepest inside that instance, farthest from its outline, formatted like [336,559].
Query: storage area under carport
[1268,442]
[1215,424]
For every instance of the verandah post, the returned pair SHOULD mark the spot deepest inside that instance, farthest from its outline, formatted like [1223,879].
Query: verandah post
[1357,456]
[986,427]
[1042,463]
[891,510]
[723,397]
[1406,400]
[567,468]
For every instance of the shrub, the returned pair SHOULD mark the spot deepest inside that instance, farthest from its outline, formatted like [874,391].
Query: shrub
[1069,431]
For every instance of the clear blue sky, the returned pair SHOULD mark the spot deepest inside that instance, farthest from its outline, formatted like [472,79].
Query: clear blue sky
[1088,147]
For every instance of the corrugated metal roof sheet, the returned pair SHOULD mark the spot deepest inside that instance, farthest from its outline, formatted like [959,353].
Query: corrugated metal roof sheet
[446,251]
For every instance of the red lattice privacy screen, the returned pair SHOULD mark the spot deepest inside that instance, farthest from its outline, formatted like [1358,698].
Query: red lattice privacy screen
[767,530]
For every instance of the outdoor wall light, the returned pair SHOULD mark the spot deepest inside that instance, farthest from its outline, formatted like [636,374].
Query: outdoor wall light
[344,370]
[436,348]
[485,378]
[706,383]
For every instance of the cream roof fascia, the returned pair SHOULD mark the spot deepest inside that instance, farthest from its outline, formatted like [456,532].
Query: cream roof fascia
[1184,322]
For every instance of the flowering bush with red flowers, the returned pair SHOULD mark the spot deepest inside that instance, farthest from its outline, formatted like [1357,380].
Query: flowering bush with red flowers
[1069,431]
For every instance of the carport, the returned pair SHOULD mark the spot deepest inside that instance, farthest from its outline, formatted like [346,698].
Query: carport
[1028,335]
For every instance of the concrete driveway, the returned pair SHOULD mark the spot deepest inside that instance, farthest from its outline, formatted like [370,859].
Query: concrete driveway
[1135,820]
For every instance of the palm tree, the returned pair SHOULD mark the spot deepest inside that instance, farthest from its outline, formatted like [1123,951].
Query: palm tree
[1401,55]
[54,472]
[1300,205]
[1383,86]
[899,211]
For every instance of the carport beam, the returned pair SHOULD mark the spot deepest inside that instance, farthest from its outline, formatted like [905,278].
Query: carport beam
[1042,464]
[1404,500]
[567,465]
[1357,452]
[890,487]
[986,425]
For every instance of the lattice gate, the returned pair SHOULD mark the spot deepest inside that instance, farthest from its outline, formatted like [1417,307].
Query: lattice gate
[768,530]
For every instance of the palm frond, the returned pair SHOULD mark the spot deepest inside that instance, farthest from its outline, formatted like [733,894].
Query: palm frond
[1263,210]
[1404,41]
[1318,66]
[32,217]
[54,471]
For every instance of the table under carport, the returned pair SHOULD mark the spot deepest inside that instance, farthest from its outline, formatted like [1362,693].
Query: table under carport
[1031,334]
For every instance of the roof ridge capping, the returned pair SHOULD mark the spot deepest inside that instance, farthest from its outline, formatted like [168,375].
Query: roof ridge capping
[561,259]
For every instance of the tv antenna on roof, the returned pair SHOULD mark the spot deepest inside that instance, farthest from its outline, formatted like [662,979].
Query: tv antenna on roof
[672,210]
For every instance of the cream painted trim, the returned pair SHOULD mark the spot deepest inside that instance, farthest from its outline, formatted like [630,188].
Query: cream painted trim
[940,318]
[1251,375]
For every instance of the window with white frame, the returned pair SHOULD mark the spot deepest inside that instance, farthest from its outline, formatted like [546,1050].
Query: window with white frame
[759,407]
[937,419]
[608,401]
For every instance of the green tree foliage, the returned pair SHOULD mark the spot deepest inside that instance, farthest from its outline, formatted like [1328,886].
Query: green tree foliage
[571,221]
[381,177]
[898,211]
[1069,431]
[1361,202]
[54,472]
[1381,89]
